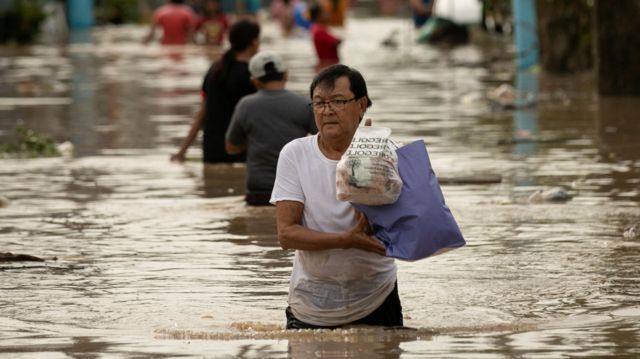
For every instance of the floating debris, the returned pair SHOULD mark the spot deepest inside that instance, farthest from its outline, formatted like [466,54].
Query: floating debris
[470,180]
[553,194]
[390,40]
[631,232]
[10,257]
[65,149]
[506,97]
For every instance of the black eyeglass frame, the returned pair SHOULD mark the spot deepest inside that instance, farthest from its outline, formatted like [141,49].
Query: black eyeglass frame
[336,105]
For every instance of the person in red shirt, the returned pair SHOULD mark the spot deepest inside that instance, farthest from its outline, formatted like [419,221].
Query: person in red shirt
[335,11]
[214,24]
[325,43]
[177,22]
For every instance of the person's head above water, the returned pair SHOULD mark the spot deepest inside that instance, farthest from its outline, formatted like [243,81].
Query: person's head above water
[327,78]
[339,100]
[316,13]
[243,34]
[266,66]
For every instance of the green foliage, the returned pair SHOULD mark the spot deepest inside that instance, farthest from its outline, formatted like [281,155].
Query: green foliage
[565,30]
[29,144]
[21,22]
[117,11]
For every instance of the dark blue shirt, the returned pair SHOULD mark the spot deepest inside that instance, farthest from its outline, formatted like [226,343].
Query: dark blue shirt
[419,20]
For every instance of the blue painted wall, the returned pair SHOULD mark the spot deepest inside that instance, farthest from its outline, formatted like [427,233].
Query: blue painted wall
[526,33]
[80,13]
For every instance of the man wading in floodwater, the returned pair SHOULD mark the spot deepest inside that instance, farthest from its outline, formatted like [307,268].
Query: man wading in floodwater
[340,274]
[264,122]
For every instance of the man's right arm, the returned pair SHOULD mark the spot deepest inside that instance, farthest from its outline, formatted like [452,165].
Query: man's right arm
[196,125]
[293,235]
[288,196]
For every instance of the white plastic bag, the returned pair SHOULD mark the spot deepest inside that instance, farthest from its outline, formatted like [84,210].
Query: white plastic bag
[462,12]
[367,173]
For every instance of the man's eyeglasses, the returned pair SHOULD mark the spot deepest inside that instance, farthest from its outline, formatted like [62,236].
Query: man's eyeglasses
[336,105]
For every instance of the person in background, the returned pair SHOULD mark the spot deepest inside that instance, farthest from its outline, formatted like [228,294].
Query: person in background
[325,44]
[340,274]
[283,12]
[196,6]
[421,10]
[264,122]
[226,82]
[300,17]
[335,11]
[245,9]
[54,27]
[177,22]
[214,24]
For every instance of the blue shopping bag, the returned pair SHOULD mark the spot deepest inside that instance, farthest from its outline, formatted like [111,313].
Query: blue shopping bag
[419,224]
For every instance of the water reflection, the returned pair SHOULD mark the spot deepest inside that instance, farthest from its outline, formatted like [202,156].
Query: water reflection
[618,140]
[525,119]
[353,342]
[83,85]
[223,180]
[364,346]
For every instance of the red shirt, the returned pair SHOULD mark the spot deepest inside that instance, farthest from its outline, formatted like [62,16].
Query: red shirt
[214,28]
[326,44]
[176,21]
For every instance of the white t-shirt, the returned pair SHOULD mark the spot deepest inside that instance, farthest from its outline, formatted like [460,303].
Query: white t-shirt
[335,286]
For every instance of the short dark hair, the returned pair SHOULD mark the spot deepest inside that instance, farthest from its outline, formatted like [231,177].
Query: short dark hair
[242,34]
[272,74]
[329,75]
[314,12]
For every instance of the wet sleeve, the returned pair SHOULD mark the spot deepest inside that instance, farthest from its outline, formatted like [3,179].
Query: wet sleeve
[287,186]
[237,133]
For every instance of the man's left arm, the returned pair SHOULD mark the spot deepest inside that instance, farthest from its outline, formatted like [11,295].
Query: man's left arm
[236,138]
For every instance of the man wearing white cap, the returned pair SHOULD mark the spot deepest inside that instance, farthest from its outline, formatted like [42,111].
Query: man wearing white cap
[262,123]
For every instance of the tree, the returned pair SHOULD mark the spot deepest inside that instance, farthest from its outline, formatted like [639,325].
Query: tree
[617,47]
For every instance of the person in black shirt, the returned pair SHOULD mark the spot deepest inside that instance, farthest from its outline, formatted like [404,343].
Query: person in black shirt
[226,82]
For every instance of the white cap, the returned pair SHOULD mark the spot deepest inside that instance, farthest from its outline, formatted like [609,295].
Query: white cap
[259,65]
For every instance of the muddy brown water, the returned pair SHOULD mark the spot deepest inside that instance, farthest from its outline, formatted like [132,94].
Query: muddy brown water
[157,259]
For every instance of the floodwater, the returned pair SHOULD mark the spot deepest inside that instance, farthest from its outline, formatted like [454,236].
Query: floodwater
[158,259]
